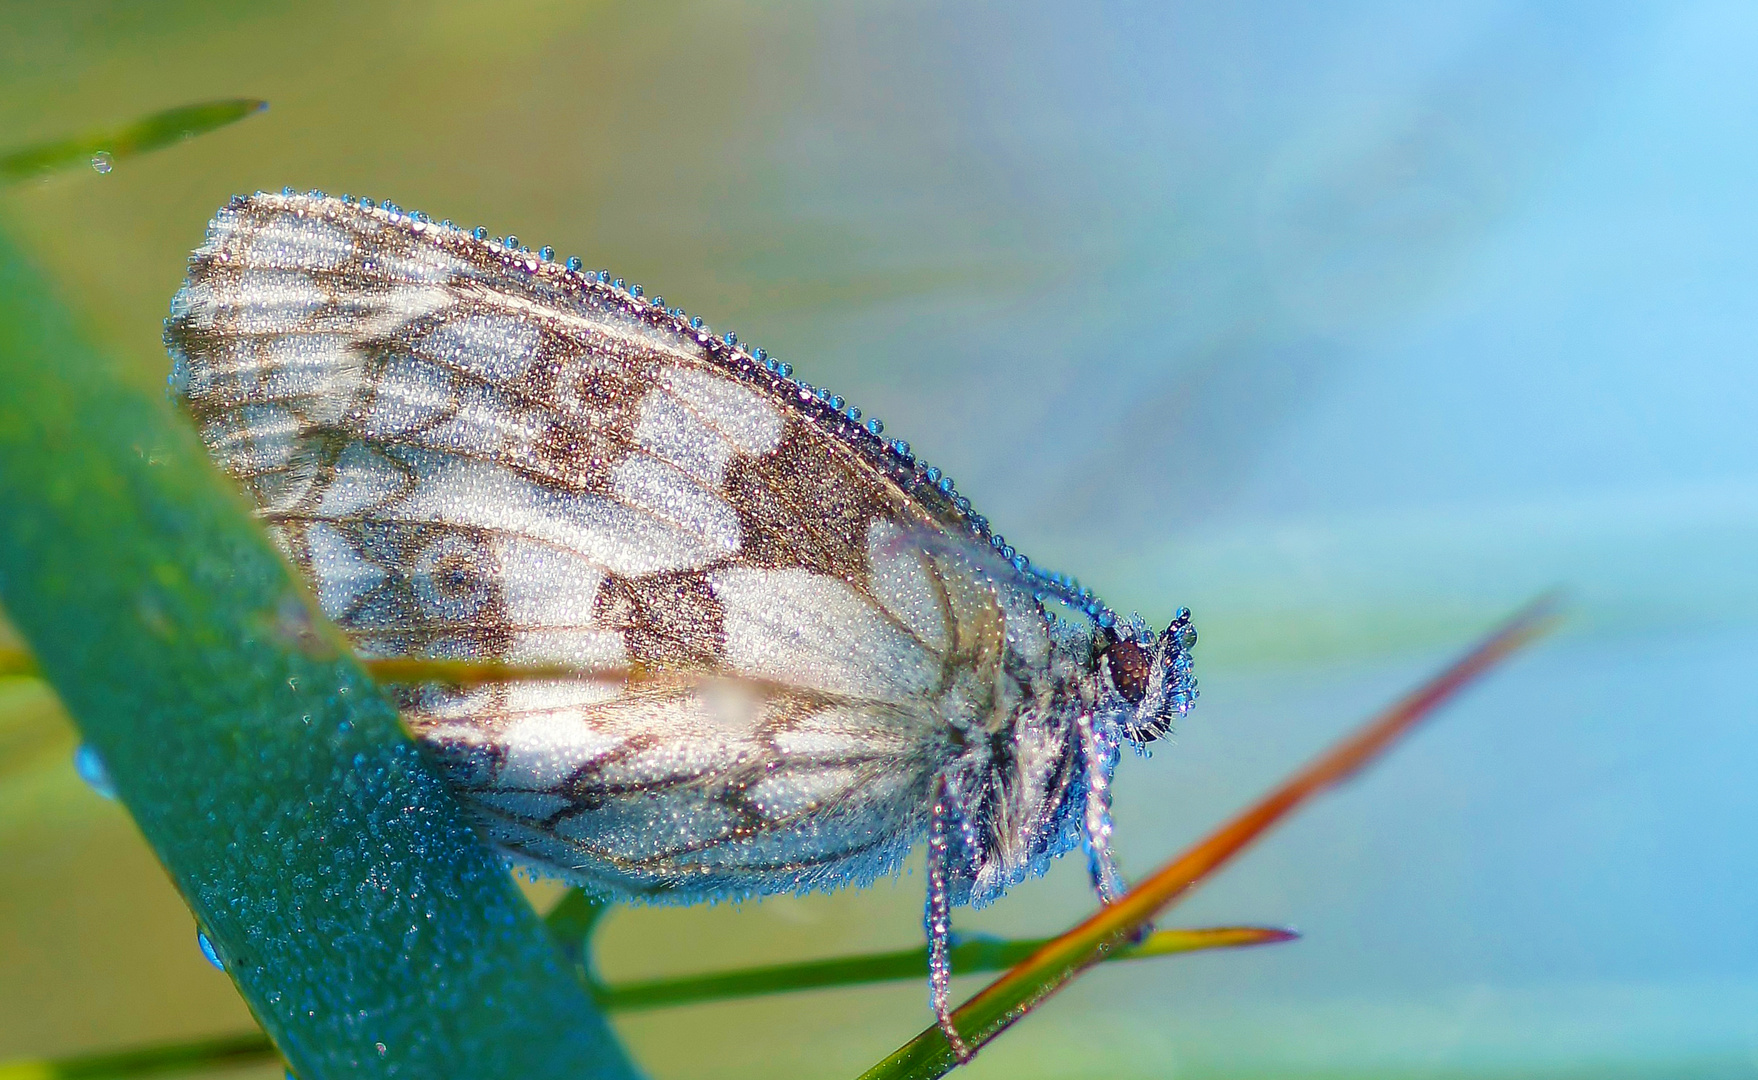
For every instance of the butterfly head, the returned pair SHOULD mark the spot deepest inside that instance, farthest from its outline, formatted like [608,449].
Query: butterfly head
[1152,673]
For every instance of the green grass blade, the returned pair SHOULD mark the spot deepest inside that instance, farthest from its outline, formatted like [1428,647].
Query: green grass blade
[573,918]
[229,1052]
[18,662]
[967,957]
[368,928]
[571,922]
[153,132]
[999,1005]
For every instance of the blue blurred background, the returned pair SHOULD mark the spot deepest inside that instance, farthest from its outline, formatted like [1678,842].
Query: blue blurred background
[1348,325]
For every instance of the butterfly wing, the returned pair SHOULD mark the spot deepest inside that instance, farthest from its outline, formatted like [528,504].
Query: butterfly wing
[474,454]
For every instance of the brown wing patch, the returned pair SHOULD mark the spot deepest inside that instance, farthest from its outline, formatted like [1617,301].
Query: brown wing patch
[599,401]
[667,620]
[437,593]
[808,505]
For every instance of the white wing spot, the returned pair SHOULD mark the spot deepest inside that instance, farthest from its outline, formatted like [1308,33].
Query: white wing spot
[492,347]
[543,585]
[672,433]
[293,243]
[640,481]
[590,650]
[900,576]
[617,538]
[545,749]
[814,631]
[342,575]
[751,422]
[797,790]
[363,481]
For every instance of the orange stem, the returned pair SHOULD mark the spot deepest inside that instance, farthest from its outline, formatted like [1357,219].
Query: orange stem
[1051,967]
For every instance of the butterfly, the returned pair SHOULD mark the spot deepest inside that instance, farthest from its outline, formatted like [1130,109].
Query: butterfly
[782,649]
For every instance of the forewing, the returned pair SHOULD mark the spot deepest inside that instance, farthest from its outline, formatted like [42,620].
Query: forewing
[475,454]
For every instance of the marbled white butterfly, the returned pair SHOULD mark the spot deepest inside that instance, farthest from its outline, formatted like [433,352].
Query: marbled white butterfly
[791,648]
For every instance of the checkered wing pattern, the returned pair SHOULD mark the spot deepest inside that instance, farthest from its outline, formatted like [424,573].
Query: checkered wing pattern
[474,454]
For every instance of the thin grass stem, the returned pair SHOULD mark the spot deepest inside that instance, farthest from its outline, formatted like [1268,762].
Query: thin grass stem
[573,919]
[100,149]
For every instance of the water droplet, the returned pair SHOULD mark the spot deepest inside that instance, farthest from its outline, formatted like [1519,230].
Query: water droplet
[574,263]
[102,162]
[546,253]
[207,949]
[292,682]
[90,768]
[876,426]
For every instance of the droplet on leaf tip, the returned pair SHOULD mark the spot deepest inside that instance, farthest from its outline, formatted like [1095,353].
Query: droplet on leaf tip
[92,770]
[207,949]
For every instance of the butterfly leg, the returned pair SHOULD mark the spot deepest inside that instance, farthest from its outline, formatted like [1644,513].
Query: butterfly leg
[1101,756]
[938,922]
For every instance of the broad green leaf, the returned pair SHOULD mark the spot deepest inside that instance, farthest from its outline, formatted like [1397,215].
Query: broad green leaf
[365,924]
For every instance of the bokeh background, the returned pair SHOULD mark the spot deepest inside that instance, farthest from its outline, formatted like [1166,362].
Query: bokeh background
[1349,325]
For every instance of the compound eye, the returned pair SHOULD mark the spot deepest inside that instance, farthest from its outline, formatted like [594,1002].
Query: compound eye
[1130,668]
